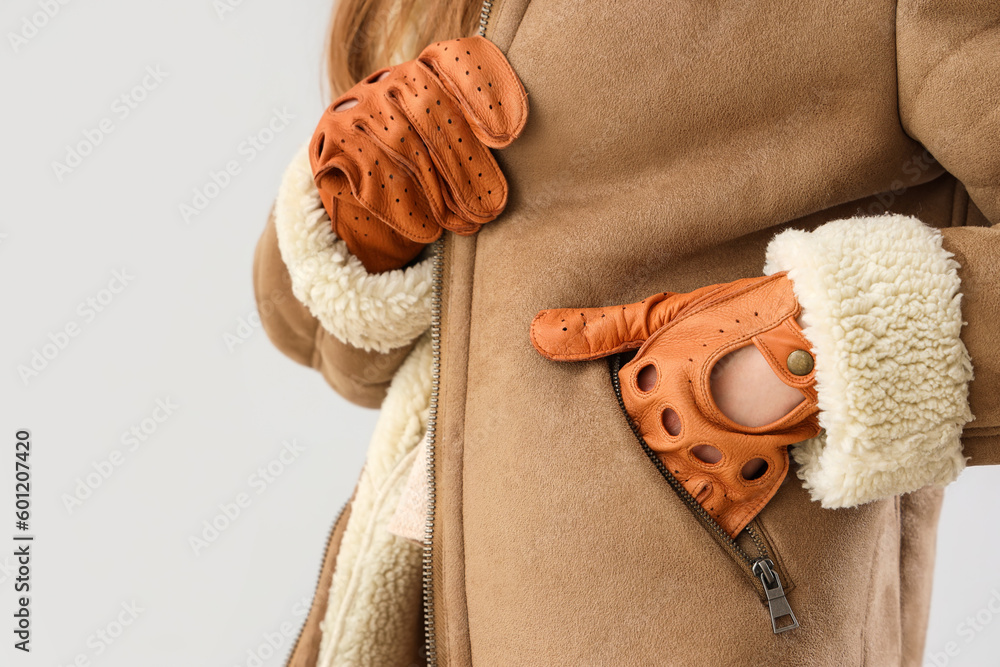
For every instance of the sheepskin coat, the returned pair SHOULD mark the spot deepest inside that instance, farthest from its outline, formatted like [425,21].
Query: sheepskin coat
[669,146]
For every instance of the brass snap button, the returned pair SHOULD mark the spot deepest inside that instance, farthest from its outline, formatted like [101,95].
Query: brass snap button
[800,362]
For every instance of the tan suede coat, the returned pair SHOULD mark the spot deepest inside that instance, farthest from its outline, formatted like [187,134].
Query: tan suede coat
[667,143]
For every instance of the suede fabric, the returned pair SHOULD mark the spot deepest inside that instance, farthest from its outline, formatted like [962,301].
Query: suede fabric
[666,147]
[360,376]
[450,582]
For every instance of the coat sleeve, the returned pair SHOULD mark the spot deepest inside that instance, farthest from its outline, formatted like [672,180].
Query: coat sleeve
[902,316]
[320,307]
[949,101]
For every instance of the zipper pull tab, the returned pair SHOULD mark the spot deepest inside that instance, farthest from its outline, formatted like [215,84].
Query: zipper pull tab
[776,601]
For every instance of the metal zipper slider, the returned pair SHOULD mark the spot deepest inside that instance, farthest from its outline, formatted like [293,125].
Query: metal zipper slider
[776,601]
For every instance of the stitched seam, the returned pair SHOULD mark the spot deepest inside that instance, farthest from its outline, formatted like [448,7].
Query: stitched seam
[506,73]
[404,164]
[899,569]
[443,618]
[468,192]
[436,205]
[786,582]
[582,356]
[490,164]
[981,432]
[316,359]
[871,587]
[750,511]
[489,25]
[704,380]
[899,87]
[708,301]
[780,368]
[412,113]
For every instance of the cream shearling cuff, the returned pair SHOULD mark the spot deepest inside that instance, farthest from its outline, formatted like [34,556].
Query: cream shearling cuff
[378,311]
[882,311]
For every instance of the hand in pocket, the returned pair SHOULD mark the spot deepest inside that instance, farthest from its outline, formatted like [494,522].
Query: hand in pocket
[732,469]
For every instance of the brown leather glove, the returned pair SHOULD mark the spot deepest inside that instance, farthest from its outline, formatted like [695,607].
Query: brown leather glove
[680,337]
[412,156]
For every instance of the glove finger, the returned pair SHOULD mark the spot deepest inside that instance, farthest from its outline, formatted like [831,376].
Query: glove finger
[477,75]
[378,246]
[476,189]
[581,334]
[367,173]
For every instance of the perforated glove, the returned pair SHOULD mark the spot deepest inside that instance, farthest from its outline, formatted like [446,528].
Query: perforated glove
[666,386]
[412,157]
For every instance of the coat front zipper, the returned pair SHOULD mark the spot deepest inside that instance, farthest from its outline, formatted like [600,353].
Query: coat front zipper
[760,568]
[430,639]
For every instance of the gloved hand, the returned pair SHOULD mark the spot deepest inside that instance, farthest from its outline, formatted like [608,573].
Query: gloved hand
[732,470]
[405,152]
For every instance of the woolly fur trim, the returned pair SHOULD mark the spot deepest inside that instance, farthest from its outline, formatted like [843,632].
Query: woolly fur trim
[373,612]
[882,310]
[371,311]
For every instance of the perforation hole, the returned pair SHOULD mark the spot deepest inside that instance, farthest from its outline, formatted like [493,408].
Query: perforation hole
[671,421]
[376,77]
[346,104]
[706,453]
[753,469]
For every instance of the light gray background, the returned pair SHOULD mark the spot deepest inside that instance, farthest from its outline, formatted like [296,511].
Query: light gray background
[164,337]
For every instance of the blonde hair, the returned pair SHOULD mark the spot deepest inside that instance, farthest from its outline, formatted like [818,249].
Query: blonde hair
[366,35]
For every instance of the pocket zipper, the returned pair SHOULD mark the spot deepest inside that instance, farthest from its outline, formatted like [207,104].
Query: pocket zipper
[760,569]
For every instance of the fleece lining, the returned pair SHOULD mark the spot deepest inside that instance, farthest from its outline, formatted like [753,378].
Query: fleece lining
[379,311]
[882,310]
[373,611]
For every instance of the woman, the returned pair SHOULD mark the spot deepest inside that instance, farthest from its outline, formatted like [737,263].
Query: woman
[670,153]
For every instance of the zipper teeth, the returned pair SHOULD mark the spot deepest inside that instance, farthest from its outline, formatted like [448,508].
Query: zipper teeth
[430,640]
[484,17]
[319,578]
[688,499]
